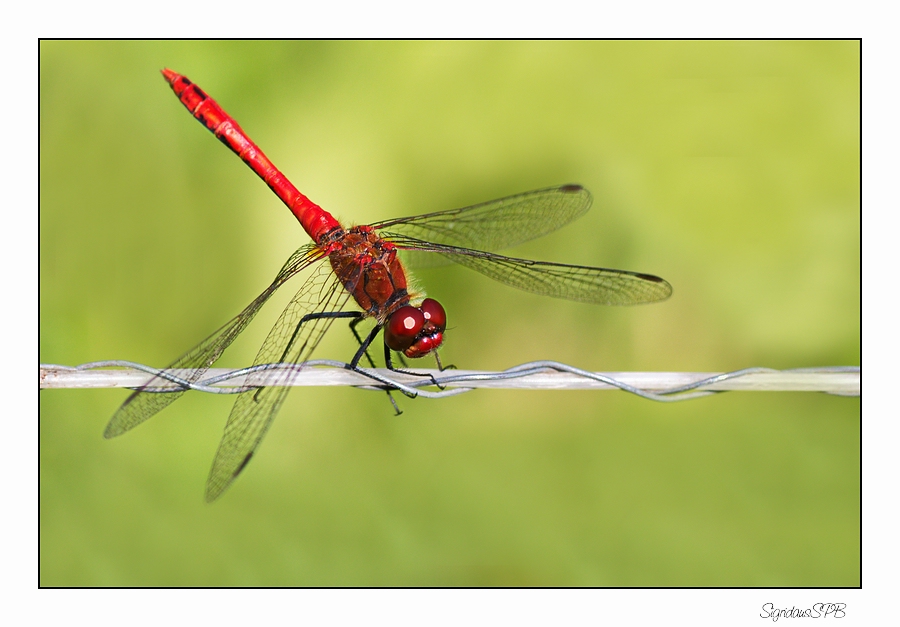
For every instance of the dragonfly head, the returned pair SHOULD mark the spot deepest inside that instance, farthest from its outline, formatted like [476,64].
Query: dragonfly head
[416,331]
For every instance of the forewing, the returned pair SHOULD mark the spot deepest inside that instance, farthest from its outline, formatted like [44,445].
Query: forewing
[142,405]
[496,224]
[602,286]
[254,411]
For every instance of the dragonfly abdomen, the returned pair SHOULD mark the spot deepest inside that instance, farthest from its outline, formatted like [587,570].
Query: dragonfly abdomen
[315,221]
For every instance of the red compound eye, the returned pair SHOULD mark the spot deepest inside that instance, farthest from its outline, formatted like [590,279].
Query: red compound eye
[403,327]
[434,313]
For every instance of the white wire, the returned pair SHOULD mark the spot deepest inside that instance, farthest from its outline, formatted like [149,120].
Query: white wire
[542,375]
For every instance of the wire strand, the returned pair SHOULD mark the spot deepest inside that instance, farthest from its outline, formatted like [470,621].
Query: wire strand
[536,375]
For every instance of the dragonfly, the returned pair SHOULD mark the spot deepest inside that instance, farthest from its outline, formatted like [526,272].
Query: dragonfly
[356,273]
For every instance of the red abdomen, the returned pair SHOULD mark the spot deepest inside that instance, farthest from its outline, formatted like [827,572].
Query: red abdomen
[315,221]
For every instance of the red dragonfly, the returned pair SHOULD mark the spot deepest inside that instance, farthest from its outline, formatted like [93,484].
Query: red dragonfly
[363,264]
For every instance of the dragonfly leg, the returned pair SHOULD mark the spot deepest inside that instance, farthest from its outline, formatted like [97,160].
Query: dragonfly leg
[317,316]
[364,350]
[390,364]
[359,339]
[353,323]
[440,366]
[363,347]
[307,318]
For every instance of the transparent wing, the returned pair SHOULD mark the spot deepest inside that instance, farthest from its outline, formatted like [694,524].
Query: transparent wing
[142,405]
[289,341]
[496,224]
[602,286]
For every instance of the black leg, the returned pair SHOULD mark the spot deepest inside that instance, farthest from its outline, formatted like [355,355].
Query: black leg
[364,344]
[364,350]
[364,347]
[441,366]
[317,316]
[307,318]
[390,364]
[359,340]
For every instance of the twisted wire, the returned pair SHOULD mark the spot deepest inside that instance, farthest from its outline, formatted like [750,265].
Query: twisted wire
[450,382]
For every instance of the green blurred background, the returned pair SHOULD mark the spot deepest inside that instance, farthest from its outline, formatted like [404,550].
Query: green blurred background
[729,168]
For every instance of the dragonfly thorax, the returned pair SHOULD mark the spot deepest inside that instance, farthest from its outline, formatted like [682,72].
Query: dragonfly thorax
[369,269]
